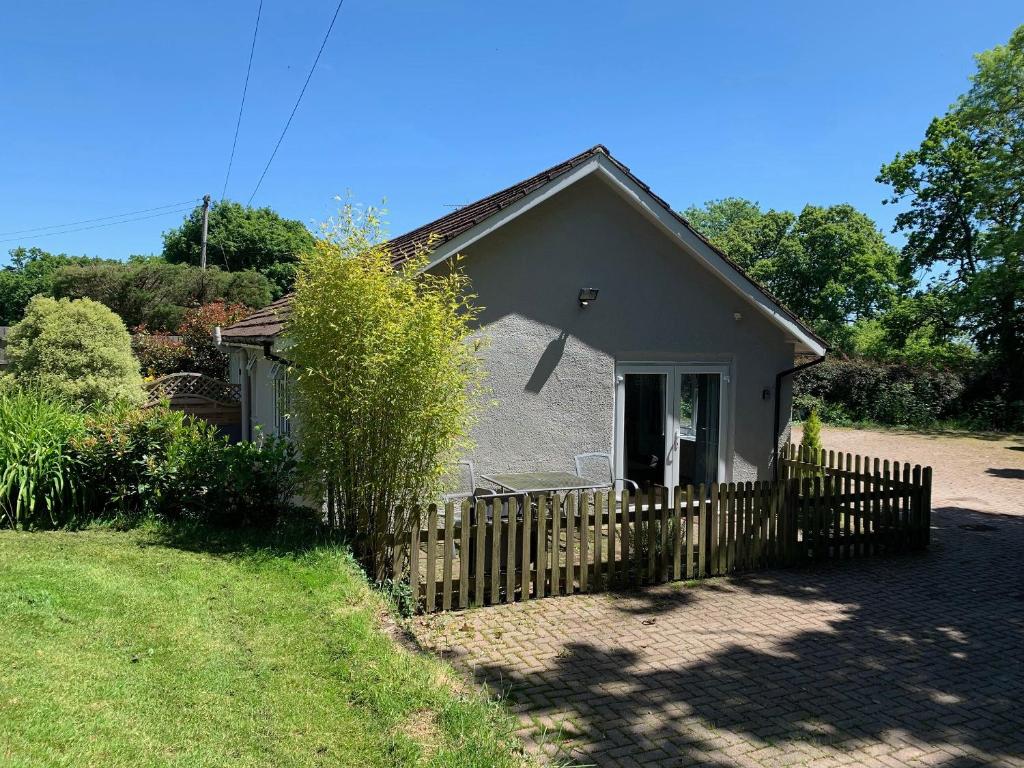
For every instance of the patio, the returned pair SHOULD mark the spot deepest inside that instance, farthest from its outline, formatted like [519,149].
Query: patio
[912,660]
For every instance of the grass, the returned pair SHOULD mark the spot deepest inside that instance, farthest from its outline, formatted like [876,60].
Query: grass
[145,649]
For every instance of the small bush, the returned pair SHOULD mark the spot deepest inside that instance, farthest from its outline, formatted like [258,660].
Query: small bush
[159,354]
[811,440]
[78,351]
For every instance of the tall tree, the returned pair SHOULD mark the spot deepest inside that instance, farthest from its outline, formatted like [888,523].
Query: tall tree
[964,188]
[830,265]
[30,273]
[240,237]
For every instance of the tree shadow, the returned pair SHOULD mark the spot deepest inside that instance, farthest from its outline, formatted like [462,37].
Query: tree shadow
[919,652]
[1008,473]
[297,537]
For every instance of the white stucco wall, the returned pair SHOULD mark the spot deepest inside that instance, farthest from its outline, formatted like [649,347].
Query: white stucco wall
[552,363]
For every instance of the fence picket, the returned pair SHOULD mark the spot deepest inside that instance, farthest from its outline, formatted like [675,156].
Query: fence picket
[624,557]
[496,529]
[678,520]
[690,534]
[510,549]
[447,547]
[540,584]
[527,540]
[414,555]
[431,605]
[599,499]
[558,507]
[570,539]
[464,555]
[650,577]
[479,537]
[612,526]
[585,585]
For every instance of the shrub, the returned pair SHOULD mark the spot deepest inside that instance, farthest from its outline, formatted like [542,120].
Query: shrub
[197,335]
[160,354]
[74,350]
[861,390]
[40,484]
[811,440]
[61,467]
[386,380]
[125,459]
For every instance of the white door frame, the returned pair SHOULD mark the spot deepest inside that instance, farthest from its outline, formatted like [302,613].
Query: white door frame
[672,373]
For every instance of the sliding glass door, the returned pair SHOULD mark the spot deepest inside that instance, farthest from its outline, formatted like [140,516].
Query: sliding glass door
[670,423]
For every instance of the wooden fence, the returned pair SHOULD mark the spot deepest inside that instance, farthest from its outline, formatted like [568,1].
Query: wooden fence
[500,549]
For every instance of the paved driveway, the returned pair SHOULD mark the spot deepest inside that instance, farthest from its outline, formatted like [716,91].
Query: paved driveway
[915,660]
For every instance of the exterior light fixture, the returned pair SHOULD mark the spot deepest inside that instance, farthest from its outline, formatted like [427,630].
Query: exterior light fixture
[587,295]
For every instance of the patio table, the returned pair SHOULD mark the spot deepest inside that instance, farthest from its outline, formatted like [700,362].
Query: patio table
[540,482]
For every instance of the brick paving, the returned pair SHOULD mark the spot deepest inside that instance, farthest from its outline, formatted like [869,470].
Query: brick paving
[915,660]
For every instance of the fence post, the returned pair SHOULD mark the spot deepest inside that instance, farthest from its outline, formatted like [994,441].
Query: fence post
[570,538]
[610,581]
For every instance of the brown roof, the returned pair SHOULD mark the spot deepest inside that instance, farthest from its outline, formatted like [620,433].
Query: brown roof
[261,325]
[265,324]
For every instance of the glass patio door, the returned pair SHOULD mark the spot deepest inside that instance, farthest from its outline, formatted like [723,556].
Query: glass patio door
[670,422]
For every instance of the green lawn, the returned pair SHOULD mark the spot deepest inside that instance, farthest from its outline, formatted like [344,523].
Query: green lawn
[121,649]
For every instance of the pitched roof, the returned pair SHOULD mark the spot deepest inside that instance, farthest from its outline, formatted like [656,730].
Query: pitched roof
[262,325]
[268,322]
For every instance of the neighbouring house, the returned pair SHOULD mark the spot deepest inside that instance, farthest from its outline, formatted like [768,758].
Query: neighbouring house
[613,327]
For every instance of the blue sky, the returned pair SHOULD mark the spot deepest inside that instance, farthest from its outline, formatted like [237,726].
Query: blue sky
[120,106]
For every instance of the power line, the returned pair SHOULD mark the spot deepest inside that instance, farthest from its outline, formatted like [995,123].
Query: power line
[245,89]
[187,208]
[297,101]
[101,218]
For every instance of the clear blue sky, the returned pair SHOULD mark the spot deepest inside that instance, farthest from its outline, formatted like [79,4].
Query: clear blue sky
[108,107]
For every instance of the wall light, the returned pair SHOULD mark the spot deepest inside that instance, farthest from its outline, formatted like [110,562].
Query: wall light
[587,295]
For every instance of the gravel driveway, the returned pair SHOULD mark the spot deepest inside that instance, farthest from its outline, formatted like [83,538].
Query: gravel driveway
[913,660]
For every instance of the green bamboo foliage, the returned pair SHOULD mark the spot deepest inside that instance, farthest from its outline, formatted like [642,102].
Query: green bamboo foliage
[387,376]
[37,474]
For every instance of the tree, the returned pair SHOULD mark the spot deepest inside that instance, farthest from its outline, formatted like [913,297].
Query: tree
[240,237]
[965,214]
[30,273]
[386,379]
[830,265]
[197,335]
[154,294]
[77,350]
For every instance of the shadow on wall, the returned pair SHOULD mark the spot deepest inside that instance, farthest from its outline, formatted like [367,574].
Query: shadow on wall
[925,647]
[547,363]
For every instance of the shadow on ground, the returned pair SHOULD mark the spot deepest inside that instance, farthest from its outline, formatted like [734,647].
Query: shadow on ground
[924,656]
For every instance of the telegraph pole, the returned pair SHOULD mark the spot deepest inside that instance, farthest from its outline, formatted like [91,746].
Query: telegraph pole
[206,222]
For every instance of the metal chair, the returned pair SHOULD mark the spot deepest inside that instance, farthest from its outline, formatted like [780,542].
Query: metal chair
[466,487]
[598,467]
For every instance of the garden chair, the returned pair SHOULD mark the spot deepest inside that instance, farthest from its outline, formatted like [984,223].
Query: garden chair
[598,467]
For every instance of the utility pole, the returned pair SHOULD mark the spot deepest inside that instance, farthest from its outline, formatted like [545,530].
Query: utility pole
[206,222]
